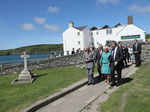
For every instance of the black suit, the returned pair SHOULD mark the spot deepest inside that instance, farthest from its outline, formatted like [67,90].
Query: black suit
[116,57]
[137,53]
[124,62]
[98,57]
[127,54]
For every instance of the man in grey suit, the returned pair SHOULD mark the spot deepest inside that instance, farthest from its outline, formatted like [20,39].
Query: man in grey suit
[89,57]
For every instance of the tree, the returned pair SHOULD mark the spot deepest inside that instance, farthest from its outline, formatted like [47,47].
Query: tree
[147,36]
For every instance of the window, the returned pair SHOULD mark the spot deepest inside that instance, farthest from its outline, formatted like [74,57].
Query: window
[97,33]
[109,31]
[91,33]
[78,42]
[78,33]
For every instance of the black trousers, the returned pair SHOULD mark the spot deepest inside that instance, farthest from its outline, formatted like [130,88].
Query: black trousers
[99,69]
[137,59]
[118,69]
[124,61]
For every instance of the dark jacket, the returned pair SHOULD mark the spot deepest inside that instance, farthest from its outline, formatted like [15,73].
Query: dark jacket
[118,56]
[138,49]
[98,55]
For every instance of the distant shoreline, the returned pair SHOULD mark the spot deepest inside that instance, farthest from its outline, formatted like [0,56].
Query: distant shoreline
[33,49]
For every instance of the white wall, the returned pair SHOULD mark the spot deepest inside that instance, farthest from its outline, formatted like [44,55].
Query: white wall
[132,30]
[117,32]
[71,39]
[86,38]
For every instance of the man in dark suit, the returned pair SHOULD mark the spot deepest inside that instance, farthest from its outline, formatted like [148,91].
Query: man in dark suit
[122,50]
[116,64]
[73,52]
[137,52]
[98,56]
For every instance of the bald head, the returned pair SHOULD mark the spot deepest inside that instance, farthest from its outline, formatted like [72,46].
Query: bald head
[100,46]
[86,48]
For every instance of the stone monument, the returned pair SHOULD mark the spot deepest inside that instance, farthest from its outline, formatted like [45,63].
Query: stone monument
[25,76]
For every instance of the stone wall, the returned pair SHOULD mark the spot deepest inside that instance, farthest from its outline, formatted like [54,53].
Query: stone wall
[43,64]
[145,55]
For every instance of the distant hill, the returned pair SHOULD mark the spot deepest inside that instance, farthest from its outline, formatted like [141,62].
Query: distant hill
[34,49]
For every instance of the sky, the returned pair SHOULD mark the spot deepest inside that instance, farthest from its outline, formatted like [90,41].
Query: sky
[31,22]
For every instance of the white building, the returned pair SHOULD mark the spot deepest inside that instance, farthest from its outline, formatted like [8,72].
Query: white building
[79,37]
[75,37]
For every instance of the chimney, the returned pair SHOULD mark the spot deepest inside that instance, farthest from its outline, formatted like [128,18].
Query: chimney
[130,20]
[71,24]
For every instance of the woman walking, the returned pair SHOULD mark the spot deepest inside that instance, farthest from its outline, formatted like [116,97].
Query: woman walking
[105,64]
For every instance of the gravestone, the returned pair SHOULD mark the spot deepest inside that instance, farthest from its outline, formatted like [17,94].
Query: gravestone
[25,76]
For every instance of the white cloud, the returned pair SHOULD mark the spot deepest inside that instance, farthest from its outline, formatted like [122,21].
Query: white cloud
[107,1]
[27,27]
[53,9]
[140,9]
[39,20]
[52,27]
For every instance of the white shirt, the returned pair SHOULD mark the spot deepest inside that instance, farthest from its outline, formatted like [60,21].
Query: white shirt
[115,52]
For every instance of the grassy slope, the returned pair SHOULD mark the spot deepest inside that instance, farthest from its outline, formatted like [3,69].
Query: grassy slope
[14,98]
[43,48]
[131,97]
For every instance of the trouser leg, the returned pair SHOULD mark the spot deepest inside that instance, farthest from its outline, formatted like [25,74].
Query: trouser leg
[118,76]
[99,70]
[112,79]
[138,60]
[90,76]
[125,62]
[119,72]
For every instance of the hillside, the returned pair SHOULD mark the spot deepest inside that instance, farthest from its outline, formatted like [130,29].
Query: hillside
[42,48]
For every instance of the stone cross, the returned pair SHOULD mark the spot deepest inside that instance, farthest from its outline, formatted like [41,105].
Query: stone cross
[25,56]
[25,76]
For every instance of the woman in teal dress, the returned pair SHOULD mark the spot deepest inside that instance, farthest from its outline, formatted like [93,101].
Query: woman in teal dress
[105,64]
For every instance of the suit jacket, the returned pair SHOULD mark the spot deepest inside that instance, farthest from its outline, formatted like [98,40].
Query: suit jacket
[118,56]
[90,62]
[98,55]
[138,49]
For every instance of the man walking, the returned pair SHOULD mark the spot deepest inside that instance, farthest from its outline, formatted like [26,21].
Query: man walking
[137,53]
[89,60]
[123,52]
[98,57]
[116,64]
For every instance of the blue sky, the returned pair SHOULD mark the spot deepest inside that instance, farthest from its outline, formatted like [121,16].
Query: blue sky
[30,22]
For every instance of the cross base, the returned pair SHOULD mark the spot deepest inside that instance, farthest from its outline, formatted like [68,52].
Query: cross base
[24,77]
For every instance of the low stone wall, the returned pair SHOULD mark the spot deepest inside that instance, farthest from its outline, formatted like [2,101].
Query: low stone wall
[145,55]
[43,64]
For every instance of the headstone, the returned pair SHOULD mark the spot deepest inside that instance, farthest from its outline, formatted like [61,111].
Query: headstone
[25,76]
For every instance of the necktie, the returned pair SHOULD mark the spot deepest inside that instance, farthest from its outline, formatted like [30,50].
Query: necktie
[113,53]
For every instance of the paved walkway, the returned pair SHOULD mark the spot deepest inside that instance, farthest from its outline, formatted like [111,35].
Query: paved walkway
[79,100]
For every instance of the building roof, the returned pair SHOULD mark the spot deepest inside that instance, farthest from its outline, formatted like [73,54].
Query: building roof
[81,27]
[93,28]
[107,27]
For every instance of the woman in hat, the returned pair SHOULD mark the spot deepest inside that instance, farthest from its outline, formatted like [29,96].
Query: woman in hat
[105,64]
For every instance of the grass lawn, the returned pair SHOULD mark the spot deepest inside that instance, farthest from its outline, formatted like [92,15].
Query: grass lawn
[16,97]
[133,96]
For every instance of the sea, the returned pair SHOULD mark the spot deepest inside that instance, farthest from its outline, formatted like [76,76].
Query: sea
[16,59]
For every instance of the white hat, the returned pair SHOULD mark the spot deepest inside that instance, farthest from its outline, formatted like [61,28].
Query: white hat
[105,47]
